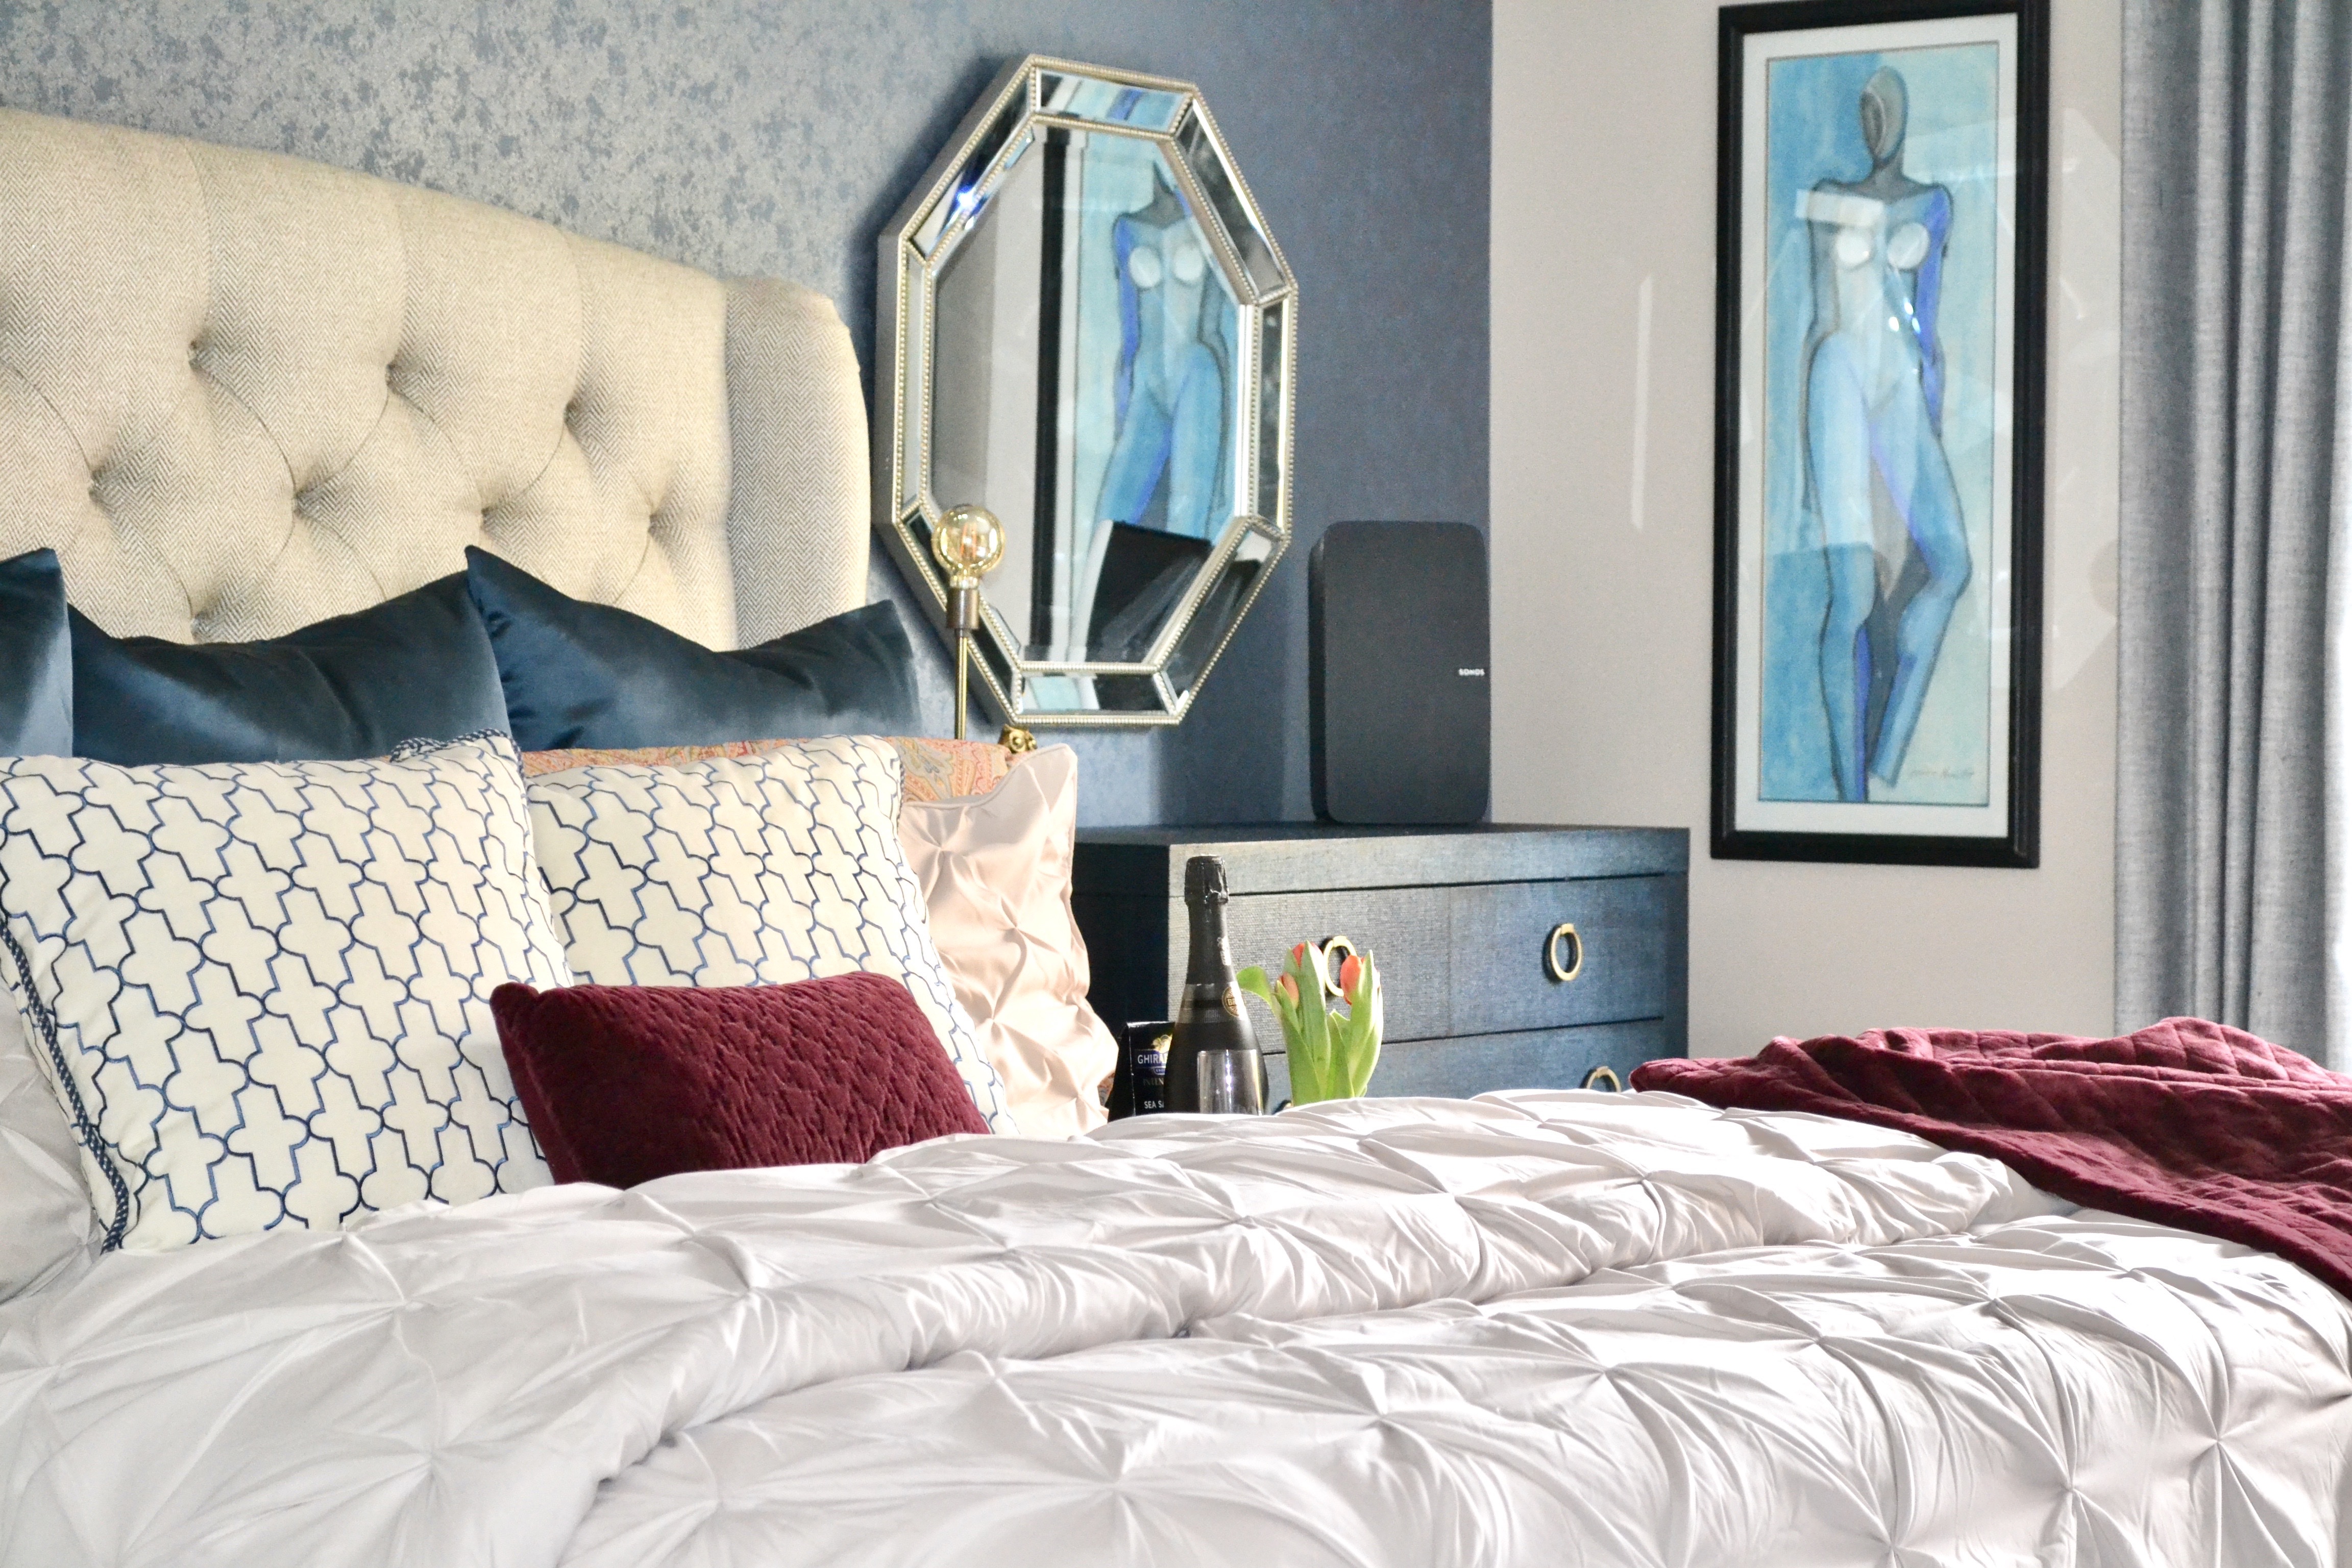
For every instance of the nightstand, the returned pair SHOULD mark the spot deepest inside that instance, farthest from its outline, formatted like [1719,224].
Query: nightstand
[1512,957]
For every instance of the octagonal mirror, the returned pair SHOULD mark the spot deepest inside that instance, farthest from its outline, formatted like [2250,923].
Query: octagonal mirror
[1086,328]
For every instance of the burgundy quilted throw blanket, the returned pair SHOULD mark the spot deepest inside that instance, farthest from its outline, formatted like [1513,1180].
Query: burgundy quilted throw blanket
[2185,1123]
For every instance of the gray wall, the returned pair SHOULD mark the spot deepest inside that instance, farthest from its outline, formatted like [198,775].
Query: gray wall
[776,139]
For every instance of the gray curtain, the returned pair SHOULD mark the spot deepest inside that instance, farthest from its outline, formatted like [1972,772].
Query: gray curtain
[2233,800]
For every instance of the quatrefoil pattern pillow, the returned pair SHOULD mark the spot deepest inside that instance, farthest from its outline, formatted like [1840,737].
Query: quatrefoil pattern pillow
[750,871]
[265,987]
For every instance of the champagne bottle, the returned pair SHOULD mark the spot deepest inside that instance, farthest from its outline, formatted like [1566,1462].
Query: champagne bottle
[1213,1058]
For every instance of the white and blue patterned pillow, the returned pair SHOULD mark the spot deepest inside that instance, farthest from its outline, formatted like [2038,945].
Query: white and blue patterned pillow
[748,871]
[266,986]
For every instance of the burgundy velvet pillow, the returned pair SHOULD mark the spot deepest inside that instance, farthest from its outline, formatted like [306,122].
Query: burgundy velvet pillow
[625,1083]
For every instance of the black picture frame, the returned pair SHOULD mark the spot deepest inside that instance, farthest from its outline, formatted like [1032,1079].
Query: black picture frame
[2020,845]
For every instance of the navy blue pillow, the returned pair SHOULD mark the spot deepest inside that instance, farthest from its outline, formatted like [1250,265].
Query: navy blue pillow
[415,668]
[589,674]
[36,659]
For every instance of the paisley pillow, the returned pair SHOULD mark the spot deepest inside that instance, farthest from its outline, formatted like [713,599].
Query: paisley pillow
[935,768]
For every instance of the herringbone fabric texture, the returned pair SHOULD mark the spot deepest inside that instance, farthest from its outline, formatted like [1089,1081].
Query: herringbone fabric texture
[241,391]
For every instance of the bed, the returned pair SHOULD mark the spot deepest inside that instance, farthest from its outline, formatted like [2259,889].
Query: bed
[1537,1327]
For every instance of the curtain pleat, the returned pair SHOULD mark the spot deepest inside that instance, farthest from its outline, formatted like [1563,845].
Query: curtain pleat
[2232,795]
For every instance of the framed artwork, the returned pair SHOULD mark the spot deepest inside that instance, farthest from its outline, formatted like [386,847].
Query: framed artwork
[1882,187]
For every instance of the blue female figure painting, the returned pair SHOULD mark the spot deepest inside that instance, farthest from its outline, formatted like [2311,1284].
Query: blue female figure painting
[1873,395]
[1880,427]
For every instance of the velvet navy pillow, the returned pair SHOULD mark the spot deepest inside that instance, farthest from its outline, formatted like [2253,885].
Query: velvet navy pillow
[36,659]
[415,668]
[589,676]
[625,1083]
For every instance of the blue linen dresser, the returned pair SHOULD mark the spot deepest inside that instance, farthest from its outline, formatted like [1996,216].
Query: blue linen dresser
[1512,957]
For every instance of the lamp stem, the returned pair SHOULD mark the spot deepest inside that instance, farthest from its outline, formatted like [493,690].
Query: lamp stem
[963,672]
[968,542]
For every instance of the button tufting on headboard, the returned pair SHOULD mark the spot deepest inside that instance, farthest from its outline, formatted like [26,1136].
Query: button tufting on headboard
[290,391]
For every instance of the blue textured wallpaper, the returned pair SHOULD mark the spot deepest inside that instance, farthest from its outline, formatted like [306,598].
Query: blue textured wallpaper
[747,138]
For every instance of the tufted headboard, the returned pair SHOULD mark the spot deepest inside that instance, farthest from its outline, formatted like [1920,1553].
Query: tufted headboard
[240,392]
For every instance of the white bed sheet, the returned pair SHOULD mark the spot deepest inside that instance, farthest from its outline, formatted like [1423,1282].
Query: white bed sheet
[1537,1328]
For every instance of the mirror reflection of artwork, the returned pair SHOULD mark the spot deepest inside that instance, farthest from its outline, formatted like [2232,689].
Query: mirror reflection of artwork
[1093,335]
[1150,326]
[1174,368]
[1879,472]
[1127,341]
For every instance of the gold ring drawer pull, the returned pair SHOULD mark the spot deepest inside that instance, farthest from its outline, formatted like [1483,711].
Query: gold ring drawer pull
[1604,1076]
[1330,955]
[1563,969]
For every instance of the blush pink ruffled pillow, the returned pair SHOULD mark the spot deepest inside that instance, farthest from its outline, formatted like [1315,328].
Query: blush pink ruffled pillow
[995,873]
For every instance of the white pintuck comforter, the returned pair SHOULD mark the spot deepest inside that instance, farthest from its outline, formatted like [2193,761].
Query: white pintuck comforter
[1534,1329]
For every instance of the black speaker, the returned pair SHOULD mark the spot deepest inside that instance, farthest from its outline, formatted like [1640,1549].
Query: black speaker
[1398,705]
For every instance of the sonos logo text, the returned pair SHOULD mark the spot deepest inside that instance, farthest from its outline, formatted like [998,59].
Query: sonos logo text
[1465,671]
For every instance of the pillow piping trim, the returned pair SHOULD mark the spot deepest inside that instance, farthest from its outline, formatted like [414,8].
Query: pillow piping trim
[419,747]
[45,1021]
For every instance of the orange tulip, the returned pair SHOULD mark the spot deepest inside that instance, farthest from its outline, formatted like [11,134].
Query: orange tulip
[1351,974]
[1289,988]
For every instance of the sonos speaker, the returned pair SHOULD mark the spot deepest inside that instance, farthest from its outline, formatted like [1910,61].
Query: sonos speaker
[1400,717]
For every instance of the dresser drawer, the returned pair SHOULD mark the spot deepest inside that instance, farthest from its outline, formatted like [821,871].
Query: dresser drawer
[1471,960]
[1458,917]
[1407,930]
[1536,1058]
[1626,934]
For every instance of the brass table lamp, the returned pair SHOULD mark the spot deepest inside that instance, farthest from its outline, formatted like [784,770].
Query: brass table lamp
[968,543]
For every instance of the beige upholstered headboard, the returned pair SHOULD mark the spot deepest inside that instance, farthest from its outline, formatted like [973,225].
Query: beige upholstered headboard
[241,391]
